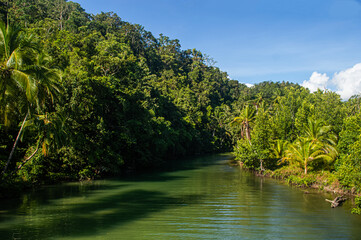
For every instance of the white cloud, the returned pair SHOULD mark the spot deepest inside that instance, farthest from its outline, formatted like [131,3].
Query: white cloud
[348,82]
[316,81]
[248,84]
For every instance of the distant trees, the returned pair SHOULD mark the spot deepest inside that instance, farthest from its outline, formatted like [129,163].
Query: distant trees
[94,96]
[304,141]
[124,98]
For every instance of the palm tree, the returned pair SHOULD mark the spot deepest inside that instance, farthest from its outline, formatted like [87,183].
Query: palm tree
[278,150]
[322,134]
[259,100]
[16,54]
[353,104]
[277,95]
[246,118]
[48,80]
[25,82]
[51,133]
[304,151]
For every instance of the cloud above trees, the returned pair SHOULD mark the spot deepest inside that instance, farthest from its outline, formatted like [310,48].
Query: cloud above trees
[346,83]
[316,81]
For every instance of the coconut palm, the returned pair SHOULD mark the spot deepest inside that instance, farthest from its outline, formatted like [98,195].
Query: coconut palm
[51,133]
[17,85]
[48,80]
[278,150]
[304,150]
[17,52]
[322,134]
[259,100]
[25,82]
[246,119]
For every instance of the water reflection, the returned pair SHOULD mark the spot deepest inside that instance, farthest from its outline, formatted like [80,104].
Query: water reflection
[202,199]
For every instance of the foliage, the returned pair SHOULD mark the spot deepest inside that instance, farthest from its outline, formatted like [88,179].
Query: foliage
[278,150]
[246,120]
[357,209]
[349,170]
[294,175]
[303,151]
[244,153]
[100,96]
[108,96]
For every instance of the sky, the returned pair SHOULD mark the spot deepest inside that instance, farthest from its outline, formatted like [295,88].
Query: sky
[316,43]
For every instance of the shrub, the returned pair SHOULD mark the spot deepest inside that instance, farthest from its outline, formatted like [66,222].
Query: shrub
[357,209]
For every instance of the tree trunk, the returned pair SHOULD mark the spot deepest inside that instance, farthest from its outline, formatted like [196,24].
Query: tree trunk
[248,132]
[261,166]
[305,167]
[337,201]
[31,156]
[242,132]
[15,144]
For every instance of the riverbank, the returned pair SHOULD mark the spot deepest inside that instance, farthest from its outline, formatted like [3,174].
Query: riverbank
[324,181]
[321,180]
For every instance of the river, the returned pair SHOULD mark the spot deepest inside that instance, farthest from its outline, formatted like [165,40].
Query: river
[201,198]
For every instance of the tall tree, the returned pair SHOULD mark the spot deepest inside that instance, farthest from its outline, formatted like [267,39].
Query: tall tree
[17,52]
[24,77]
[246,119]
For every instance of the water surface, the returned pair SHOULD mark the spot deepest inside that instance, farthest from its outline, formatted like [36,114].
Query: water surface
[200,199]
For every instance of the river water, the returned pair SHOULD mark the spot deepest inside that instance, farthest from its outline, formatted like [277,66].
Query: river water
[202,198]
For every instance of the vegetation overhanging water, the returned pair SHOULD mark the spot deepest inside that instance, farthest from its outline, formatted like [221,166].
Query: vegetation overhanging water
[91,96]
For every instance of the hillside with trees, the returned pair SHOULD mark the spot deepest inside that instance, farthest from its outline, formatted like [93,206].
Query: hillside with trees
[94,96]
[87,96]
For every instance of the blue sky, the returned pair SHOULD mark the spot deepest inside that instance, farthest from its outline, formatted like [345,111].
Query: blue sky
[257,40]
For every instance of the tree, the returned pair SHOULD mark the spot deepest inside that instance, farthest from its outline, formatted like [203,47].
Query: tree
[261,141]
[322,135]
[278,150]
[51,134]
[246,120]
[349,169]
[351,130]
[16,54]
[303,151]
[24,75]
[47,79]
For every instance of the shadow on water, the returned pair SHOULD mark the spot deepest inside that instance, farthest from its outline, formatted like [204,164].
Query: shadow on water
[151,177]
[9,208]
[87,219]
[46,194]
[42,214]
[162,174]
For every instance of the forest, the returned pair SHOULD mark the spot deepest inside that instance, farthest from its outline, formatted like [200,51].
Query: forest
[88,96]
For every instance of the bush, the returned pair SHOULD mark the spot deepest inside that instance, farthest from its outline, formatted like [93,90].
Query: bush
[244,153]
[287,171]
[357,209]
[295,176]
[349,170]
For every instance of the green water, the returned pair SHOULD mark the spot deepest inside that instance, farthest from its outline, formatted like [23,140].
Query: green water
[200,199]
